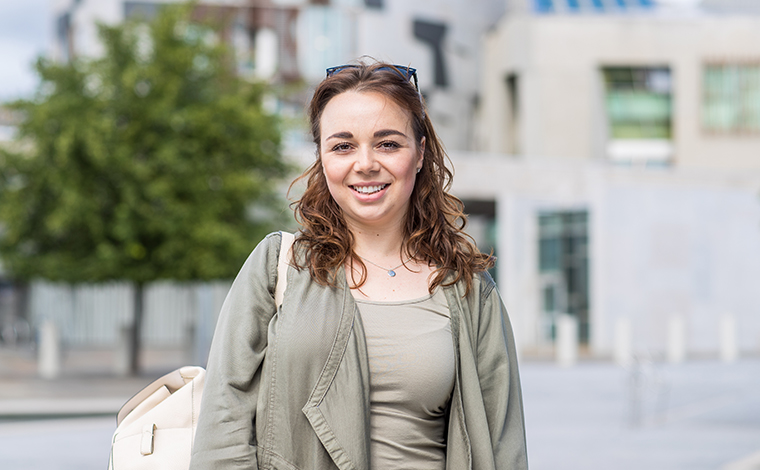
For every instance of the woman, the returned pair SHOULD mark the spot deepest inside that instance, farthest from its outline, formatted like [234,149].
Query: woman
[392,348]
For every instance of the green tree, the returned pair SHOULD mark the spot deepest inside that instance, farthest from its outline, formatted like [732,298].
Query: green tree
[154,161]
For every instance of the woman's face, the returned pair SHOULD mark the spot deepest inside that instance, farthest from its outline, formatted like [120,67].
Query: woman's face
[369,158]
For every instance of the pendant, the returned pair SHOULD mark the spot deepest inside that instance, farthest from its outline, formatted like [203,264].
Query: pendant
[391,273]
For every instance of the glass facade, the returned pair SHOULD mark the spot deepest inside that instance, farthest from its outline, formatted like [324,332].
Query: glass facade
[563,269]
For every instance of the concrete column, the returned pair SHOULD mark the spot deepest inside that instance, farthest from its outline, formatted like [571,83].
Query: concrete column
[676,339]
[122,352]
[49,353]
[623,348]
[729,348]
[566,346]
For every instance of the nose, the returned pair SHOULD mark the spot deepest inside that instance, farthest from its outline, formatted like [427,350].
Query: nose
[365,161]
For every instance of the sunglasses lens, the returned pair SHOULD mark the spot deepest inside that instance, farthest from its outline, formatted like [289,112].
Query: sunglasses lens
[408,73]
[333,70]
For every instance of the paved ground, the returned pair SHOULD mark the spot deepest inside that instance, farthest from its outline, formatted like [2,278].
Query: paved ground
[698,415]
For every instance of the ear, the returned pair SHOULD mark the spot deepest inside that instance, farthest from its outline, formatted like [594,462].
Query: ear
[422,153]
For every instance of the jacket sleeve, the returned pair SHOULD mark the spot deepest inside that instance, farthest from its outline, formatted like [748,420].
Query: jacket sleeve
[500,382]
[225,437]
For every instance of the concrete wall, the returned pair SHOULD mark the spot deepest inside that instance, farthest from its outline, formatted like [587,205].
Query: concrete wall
[559,57]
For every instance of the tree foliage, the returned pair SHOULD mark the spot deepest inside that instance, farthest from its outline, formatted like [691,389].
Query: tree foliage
[147,163]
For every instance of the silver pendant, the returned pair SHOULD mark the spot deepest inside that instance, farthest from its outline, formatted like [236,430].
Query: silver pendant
[391,273]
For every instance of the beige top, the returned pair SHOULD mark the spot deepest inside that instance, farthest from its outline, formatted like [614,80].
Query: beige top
[411,364]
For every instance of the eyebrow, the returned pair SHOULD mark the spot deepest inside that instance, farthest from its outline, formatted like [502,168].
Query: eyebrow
[380,133]
[340,135]
[387,132]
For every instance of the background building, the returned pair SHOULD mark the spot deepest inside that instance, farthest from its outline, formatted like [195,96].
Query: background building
[620,144]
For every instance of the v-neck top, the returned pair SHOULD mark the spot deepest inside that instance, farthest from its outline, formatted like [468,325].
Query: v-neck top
[411,365]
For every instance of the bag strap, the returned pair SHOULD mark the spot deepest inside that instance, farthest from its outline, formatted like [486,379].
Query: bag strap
[173,381]
[282,267]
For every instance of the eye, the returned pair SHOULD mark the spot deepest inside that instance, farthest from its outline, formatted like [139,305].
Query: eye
[341,147]
[389,145]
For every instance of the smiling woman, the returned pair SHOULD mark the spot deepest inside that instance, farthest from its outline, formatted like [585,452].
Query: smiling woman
[392,347]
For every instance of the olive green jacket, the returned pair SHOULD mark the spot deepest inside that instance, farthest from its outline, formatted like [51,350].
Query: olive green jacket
[289,388]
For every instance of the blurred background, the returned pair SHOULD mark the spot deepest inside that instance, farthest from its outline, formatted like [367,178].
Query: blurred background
[608,151]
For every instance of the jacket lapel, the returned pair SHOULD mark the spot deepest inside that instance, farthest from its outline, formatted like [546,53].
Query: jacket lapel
[337,413]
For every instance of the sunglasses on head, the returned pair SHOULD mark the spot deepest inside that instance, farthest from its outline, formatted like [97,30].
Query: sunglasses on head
[409,73]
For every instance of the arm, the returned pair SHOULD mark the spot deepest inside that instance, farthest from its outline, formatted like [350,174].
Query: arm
[225,437]
[500,381]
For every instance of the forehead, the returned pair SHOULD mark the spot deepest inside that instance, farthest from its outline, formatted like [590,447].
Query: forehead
[363,111]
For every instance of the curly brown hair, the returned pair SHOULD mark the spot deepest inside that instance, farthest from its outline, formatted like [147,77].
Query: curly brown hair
[433,230]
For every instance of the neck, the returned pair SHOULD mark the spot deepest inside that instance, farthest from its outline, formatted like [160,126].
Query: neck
[379,244]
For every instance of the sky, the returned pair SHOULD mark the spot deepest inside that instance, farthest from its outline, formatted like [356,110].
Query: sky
[26,28]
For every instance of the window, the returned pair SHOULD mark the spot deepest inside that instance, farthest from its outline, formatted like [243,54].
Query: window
[481,226]
[731,98]
[563,267]
[638,102]
[638,107]
[514,128]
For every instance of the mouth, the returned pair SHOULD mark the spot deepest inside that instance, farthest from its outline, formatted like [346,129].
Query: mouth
[369,189]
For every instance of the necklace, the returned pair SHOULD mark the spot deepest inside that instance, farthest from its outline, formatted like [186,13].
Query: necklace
[392,271]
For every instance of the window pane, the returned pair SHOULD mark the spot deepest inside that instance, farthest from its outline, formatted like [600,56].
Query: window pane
[638,102]
[731,98]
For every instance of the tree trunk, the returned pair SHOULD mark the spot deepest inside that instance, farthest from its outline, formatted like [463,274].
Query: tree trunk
[136,343]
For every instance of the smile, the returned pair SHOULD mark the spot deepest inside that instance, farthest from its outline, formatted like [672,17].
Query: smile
[369,189]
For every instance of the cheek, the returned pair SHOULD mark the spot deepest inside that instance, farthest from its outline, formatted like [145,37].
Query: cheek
[333,176]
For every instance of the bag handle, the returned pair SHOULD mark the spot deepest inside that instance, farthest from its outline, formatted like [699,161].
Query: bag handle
[173,381]
[282,267]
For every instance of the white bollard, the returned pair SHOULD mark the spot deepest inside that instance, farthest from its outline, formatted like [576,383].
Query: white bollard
[729,349]
[566,347]
[676,339]
[49,354]
[623,350]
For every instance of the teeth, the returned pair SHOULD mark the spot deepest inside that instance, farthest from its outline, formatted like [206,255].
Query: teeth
[369,189]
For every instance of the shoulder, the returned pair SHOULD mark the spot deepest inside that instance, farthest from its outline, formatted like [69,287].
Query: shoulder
[483,286]
[485,283]
[268,246]
[483,294]
[263,258]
